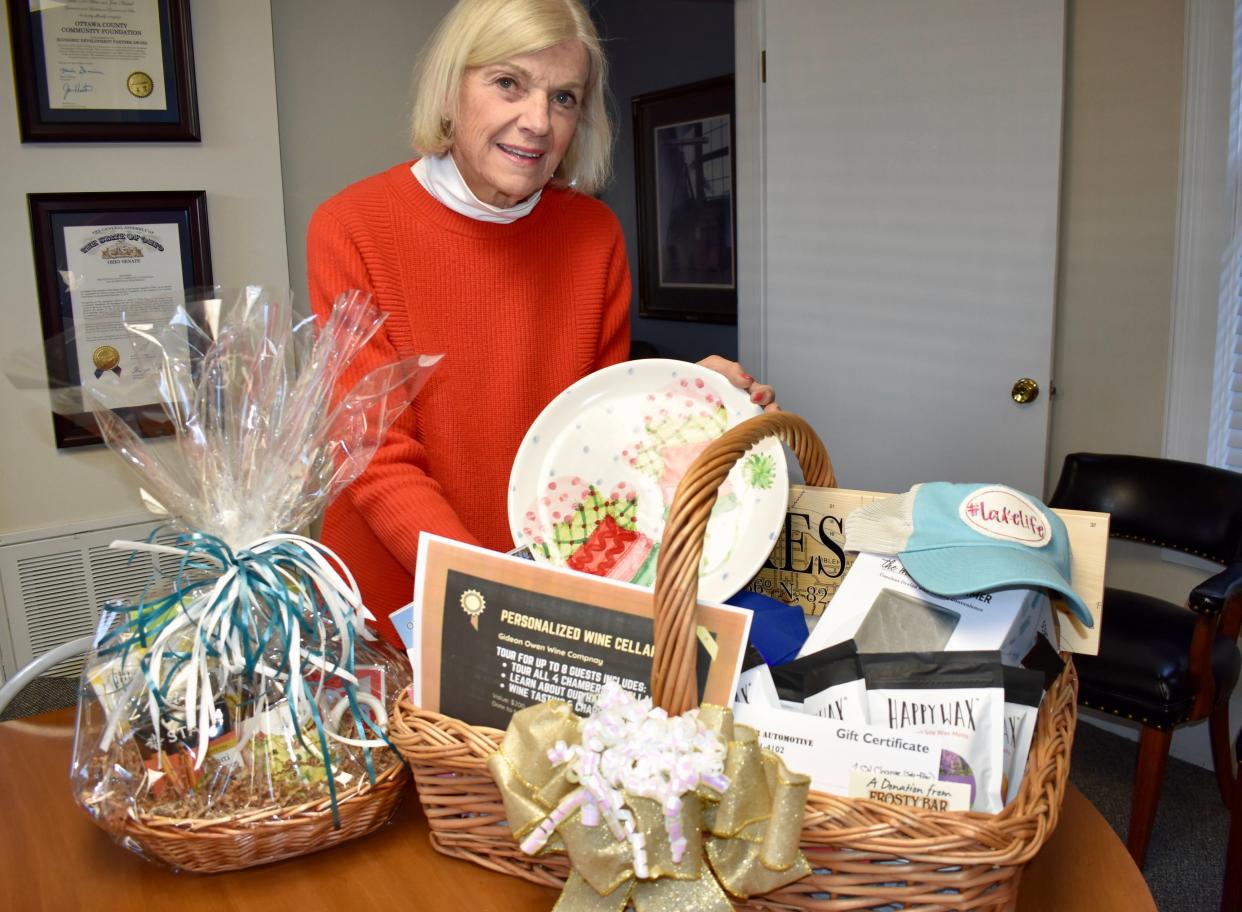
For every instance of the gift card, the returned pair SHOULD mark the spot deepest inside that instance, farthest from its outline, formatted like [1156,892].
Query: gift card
[830,752]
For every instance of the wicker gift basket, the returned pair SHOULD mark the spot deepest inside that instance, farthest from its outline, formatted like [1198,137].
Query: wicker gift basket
[232,713]
[209,846]
[247,829]
[260,797]
[864,854]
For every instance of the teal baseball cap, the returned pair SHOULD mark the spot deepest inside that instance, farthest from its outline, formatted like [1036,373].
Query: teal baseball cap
[959,539]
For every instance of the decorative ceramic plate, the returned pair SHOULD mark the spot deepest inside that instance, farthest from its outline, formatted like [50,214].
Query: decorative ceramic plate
[594,478]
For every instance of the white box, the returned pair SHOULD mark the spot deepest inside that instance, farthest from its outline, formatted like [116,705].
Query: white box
[882,609]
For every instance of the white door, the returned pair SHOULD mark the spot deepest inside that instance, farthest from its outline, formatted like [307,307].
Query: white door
[904,234]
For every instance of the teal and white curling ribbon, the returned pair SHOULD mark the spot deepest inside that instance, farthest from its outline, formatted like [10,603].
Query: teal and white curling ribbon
[264,616]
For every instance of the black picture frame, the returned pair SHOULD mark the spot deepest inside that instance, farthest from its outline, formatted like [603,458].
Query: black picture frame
[686,183]
[78,73]
[50,215]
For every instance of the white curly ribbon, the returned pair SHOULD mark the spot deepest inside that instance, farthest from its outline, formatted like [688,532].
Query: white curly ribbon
[629,748]
[208,615]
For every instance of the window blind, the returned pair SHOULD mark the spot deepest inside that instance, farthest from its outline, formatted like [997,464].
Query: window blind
[1226,434]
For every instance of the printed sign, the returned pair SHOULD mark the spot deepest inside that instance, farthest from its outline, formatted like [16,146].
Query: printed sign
[809,561]
[493,634]
[910,791]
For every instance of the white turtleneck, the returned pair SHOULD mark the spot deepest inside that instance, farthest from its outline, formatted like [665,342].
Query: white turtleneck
[439,176]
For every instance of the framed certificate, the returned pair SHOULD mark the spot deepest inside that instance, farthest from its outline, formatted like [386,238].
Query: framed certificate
[103,260]
[104,70]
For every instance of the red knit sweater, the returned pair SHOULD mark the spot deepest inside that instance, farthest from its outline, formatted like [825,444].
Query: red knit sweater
[520,311]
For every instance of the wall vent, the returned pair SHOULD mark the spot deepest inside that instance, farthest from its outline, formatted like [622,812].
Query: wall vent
[53,587]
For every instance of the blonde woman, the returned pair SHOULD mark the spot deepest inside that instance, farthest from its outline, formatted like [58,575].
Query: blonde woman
[489,248]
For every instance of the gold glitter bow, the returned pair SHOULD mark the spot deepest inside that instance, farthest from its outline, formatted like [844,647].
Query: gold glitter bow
[748,836]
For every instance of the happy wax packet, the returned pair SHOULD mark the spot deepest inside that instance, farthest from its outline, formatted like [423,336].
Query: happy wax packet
[1024,690]
[754,684]
[958,697]
[828,683]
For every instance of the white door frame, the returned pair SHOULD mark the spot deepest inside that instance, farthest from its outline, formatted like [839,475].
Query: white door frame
[751,232]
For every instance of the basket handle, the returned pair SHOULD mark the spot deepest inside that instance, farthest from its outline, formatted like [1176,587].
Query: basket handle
[673,680]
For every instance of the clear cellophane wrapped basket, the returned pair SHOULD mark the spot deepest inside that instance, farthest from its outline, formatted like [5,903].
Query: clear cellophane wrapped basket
[235,713]
[864,854]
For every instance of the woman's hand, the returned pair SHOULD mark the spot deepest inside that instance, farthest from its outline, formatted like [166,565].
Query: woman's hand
[760,393]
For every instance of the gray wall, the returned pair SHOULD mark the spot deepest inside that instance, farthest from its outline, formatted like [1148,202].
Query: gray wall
[653,45]
[1123,118]
[344,98]
[1118,239]
[237,163]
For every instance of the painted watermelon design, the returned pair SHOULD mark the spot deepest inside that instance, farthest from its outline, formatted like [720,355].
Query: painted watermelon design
[678,422]
[598,533]
[618,553]
[582,515]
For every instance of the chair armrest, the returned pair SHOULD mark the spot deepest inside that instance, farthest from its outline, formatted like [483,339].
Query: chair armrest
[1211,595]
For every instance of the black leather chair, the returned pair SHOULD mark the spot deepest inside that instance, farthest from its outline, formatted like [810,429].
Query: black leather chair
[1161,664]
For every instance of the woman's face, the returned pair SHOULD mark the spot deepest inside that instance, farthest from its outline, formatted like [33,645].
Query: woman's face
[515,120]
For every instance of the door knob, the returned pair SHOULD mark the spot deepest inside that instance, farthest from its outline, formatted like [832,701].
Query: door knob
[1024,390]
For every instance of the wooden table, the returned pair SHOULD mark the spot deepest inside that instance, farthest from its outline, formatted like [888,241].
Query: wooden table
[52,857]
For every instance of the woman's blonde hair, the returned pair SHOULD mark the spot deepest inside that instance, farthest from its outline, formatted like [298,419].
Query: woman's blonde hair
[481,32]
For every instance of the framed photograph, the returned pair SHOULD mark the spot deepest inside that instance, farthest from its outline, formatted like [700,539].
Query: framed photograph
[683,150]
[101,260]
[104,70]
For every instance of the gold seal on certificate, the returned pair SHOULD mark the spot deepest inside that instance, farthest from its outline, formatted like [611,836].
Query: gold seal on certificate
[473,603]
[106,358]
[139,84]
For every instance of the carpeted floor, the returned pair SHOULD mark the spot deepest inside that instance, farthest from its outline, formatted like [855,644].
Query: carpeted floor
[1186,860]
[1185,863]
